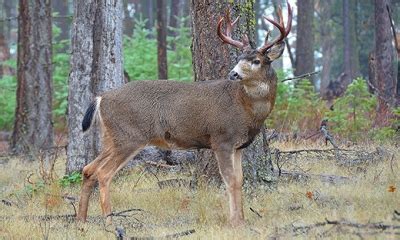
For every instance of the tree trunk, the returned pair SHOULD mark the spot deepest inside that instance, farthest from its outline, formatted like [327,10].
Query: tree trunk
[10,8]
[305,38]
[162,39]
[129,8]
[173,19]
[213,60]
[33,127]
[384,60]
[327,40]
[149,13]
[4,56]
[350,53]
[96,66]
[185,12]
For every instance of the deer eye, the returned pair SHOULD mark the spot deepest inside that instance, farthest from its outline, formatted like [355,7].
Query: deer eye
[256,62]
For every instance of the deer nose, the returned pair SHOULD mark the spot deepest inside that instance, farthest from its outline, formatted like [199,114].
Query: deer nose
[233,75]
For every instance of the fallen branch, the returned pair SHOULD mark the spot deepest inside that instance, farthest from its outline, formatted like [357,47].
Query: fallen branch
[316,150]
[322,177]
[170,236]
[345,223]
[300,76]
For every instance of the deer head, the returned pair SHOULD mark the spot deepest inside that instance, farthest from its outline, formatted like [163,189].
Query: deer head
[254,63]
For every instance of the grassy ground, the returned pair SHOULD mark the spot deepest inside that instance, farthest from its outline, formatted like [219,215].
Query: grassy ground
[367,196]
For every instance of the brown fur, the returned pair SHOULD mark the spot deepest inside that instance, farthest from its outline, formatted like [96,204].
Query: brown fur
[221,115]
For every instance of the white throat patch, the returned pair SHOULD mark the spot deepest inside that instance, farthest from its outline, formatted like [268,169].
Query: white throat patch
[260,90]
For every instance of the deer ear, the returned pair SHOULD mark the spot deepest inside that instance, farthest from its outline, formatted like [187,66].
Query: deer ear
[275,51]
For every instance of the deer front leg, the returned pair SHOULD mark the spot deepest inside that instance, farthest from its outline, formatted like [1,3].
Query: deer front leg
[230,167]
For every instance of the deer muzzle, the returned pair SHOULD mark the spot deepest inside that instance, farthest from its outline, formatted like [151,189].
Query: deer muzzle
[233,75]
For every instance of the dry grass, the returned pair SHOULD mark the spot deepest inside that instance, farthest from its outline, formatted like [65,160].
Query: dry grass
[365,198]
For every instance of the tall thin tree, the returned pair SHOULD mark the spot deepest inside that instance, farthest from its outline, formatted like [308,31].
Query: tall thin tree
[33,127]
[350,53]
[162,39]
[305,38]
[384,60]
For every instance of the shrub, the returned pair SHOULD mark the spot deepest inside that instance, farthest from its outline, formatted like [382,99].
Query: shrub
[297,108]
[353,114]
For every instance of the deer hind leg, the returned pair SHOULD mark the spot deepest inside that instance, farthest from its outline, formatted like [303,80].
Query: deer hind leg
[230,167]
[89,180]
[107,171]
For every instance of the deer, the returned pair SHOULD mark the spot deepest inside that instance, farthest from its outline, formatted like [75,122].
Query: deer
[222,115]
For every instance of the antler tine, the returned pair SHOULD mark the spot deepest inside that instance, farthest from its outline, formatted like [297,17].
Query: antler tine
[229,27]
[280,16]
[284,31]
[289,23]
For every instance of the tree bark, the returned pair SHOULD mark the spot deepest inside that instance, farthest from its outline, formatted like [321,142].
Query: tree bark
[384,60]
[213,60]
[149,13]
[162,39]
[327,40]
[10,8]
[33,127]
[305,38]
[350,53]
[96,66]
[4,56]
[175,6]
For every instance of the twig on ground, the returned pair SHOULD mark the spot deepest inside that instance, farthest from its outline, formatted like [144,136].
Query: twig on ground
[254,211]
[123,213]
[396,215]
[6,202]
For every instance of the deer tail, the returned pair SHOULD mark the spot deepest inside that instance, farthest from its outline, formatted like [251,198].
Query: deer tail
[92,110]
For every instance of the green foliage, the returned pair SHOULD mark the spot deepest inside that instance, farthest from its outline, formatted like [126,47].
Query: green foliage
[140,53]
[61,69]
[180,58]
[72,179]
[297,108]
[33,188]
[8,86]
[389,133]
[353,113]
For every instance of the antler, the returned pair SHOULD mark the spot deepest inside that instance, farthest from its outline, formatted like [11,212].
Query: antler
[229,26]
[281,26]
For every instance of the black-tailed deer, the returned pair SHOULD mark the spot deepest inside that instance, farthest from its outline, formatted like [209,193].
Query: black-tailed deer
[222,115]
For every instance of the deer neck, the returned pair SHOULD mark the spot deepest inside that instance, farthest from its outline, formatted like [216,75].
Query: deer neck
[259,97]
